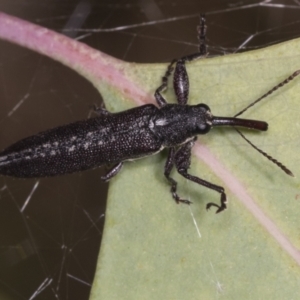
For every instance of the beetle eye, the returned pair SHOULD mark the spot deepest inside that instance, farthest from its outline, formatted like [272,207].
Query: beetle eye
[203,118]
[204,107]
[204,128]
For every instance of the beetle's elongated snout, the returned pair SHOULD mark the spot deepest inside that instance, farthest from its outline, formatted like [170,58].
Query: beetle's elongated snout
[251,124]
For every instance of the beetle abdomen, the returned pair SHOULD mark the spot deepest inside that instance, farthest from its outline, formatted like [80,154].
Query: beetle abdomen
[82,145]
[57,151]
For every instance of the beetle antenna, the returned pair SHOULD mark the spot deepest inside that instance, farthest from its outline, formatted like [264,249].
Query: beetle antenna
[277,163]
[281,84]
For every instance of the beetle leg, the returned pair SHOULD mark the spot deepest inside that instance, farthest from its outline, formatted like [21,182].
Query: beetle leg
[101,111]
[161,101]
[202,35]
[112,172]
[181,79]
[182,162]
[168,168]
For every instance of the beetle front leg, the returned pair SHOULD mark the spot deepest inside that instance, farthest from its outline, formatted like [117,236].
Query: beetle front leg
[161,101]
[202,35]
[181,79]
[182,162]
[168,168]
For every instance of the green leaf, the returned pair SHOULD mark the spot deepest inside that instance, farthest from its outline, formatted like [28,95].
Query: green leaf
[151,248]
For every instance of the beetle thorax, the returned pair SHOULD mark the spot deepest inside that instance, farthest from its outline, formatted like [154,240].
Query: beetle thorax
[175,124]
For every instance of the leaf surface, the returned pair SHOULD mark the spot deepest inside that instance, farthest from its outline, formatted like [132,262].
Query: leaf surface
[152,248]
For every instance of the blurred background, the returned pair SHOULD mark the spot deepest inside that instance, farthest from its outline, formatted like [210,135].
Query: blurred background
[51,229]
